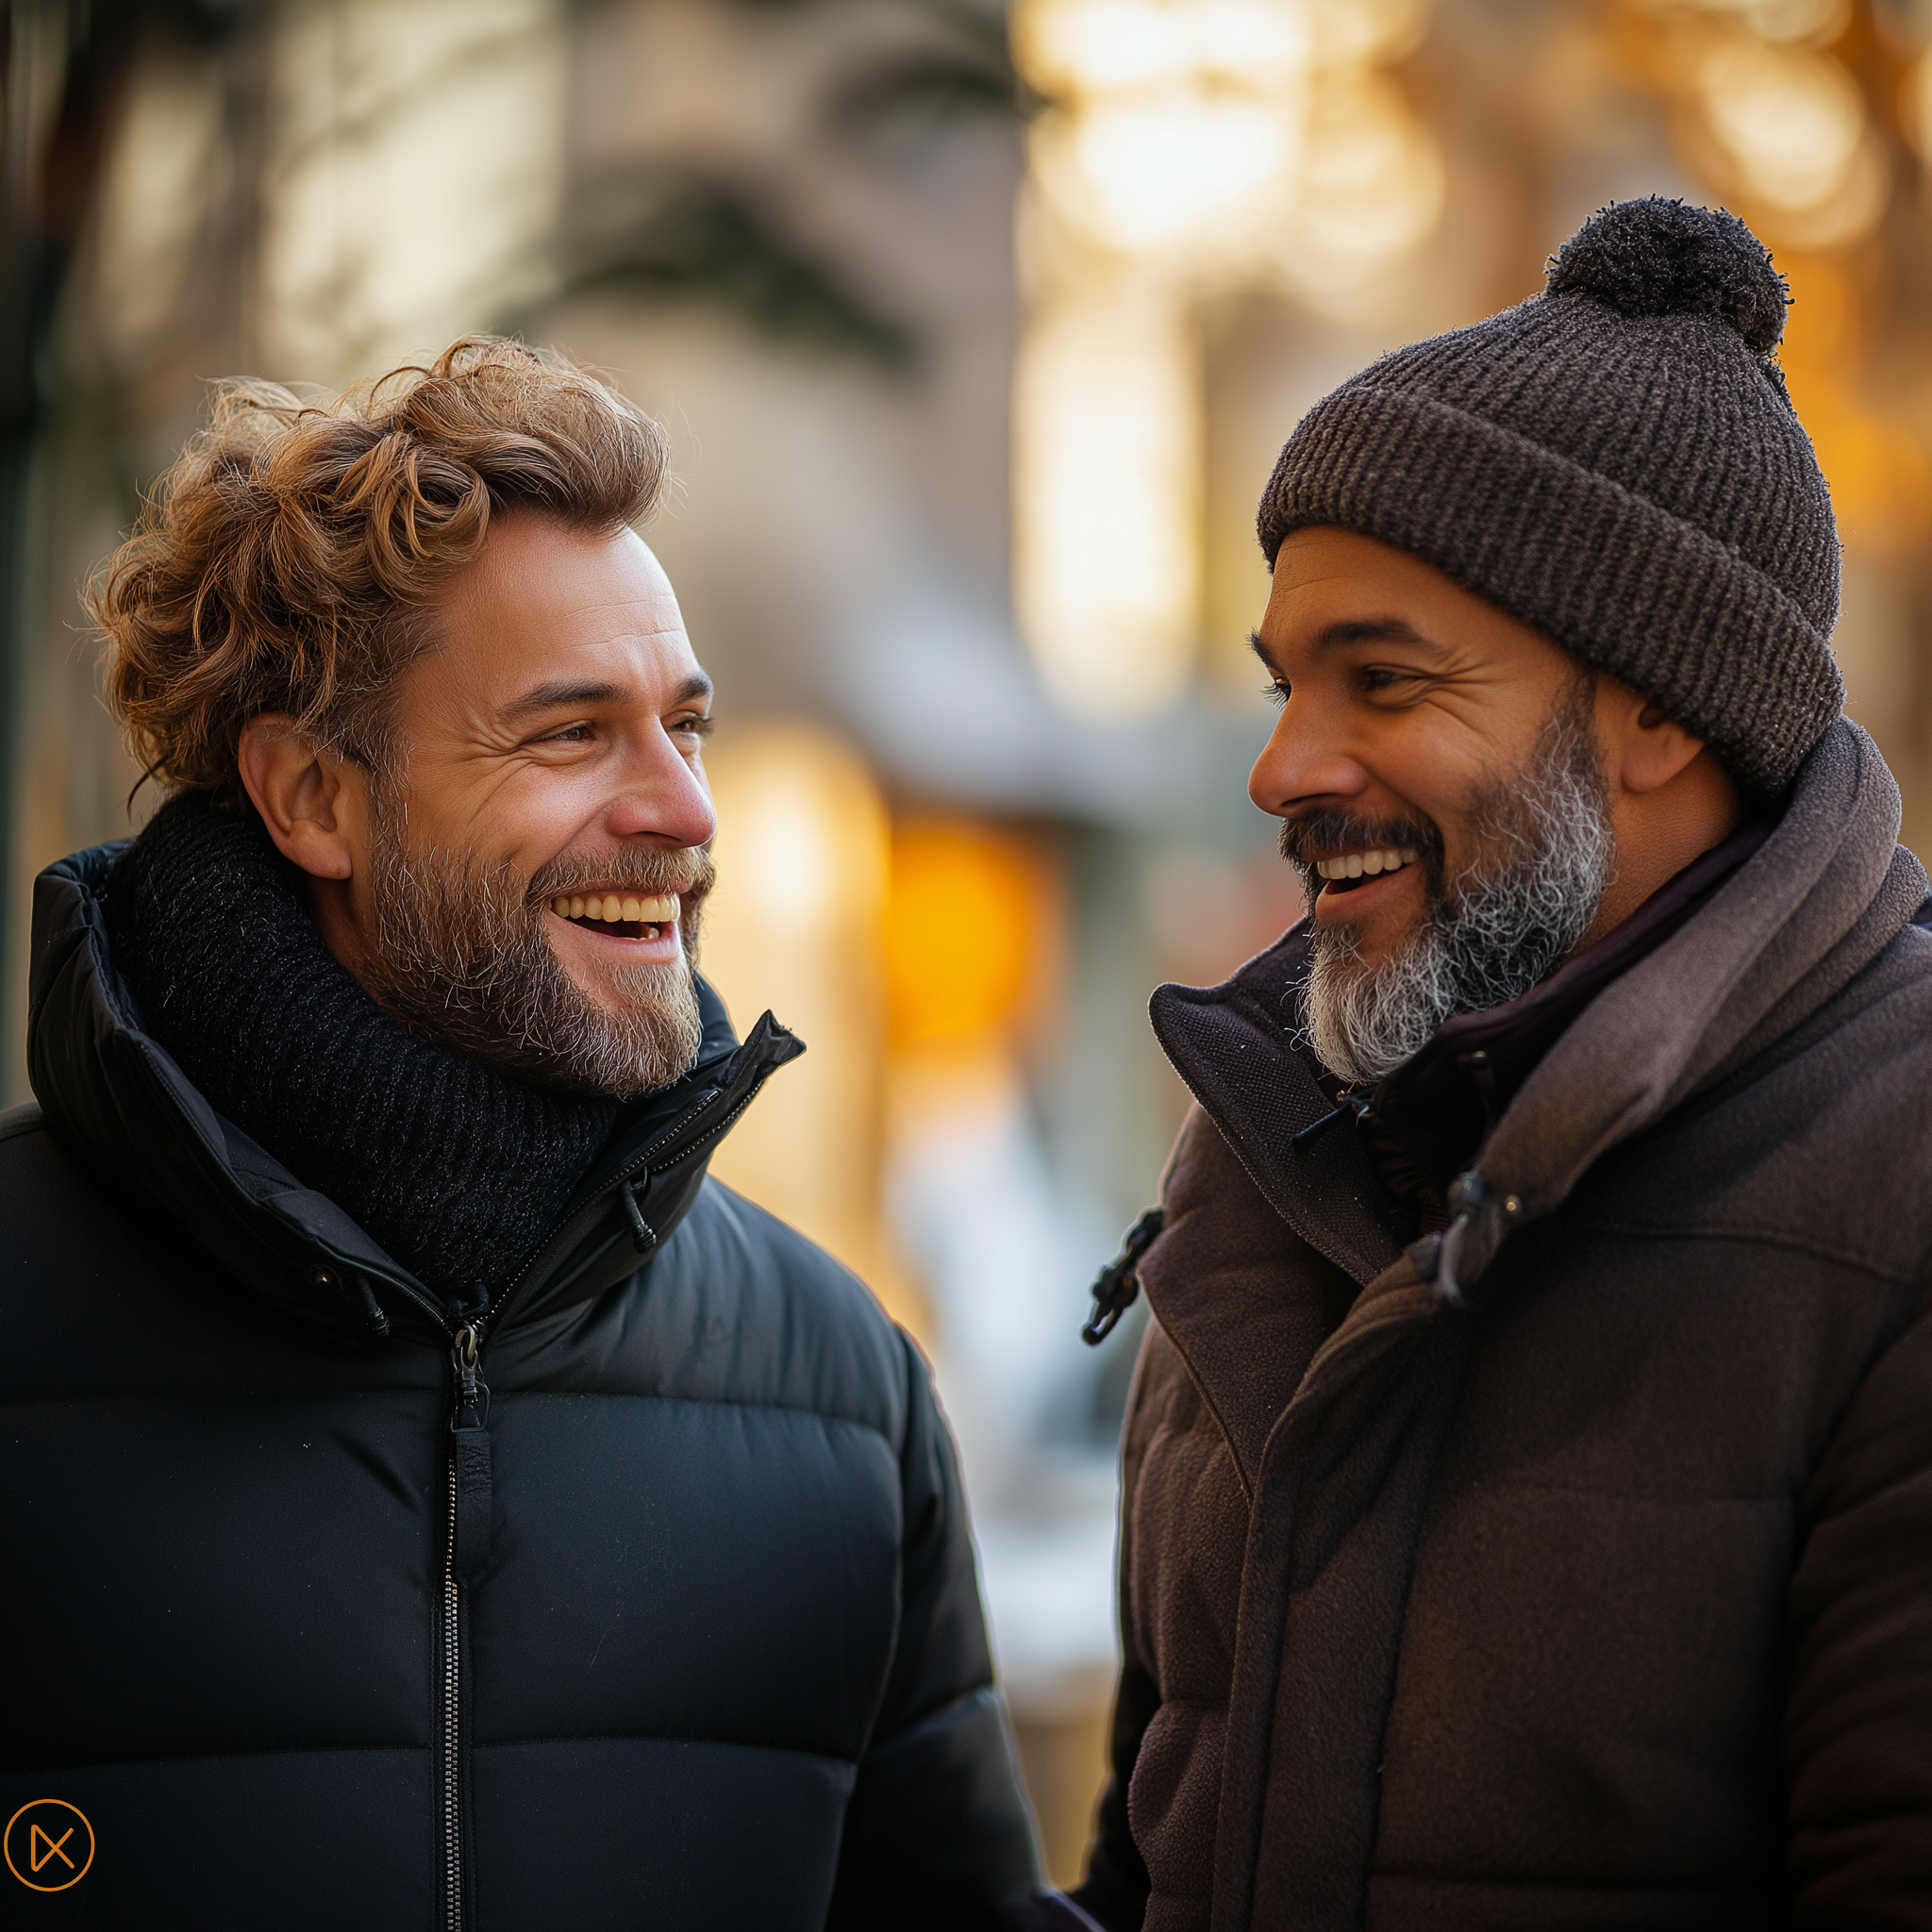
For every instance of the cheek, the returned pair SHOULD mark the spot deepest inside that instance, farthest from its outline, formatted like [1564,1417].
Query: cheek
[525,815]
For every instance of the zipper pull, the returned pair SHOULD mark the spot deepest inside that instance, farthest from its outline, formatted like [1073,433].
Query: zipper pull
[473,1495]
[471,1388]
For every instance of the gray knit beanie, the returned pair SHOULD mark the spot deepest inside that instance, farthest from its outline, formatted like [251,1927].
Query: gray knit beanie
[1616,463]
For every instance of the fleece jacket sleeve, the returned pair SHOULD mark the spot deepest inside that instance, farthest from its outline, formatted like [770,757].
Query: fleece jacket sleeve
[936,1833]
[1858,1723]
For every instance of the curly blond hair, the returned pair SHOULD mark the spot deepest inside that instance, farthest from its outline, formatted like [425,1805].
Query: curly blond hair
[287,559]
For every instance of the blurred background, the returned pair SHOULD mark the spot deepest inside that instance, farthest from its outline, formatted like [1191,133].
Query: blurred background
[977,332]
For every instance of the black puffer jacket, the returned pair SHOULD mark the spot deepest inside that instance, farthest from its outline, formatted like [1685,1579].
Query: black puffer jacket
[679,1627]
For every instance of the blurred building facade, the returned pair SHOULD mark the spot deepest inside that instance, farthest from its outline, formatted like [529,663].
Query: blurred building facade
[977,337]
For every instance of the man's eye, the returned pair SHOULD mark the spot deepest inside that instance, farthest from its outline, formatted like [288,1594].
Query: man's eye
[697,727]
[1377,678]
[573,734]
[1276,691]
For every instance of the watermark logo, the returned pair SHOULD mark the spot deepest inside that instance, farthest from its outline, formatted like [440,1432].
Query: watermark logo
[49,1844]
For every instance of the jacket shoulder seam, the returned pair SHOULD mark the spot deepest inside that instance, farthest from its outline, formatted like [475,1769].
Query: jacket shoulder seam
[512,1394]
[1904,1275]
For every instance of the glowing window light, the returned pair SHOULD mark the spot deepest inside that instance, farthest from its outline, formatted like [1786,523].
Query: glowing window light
[1794,122]
[1110,46]
[1177,159]
[794,925]
[1144,174]
[1106,470]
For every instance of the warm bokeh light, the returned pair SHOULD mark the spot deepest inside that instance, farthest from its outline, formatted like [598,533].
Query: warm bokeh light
[1187,170]
[1373,183]
[963,933]
[1101,46]
[1801,22]
[1881,481]
[1106,481]
[1190,147]
[795,926]
[1791,121]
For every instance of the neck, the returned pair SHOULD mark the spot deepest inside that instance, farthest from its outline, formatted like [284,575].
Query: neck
[329,906]
[1659,832]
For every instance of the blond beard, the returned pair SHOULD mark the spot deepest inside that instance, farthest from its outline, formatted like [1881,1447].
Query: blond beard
[461,956]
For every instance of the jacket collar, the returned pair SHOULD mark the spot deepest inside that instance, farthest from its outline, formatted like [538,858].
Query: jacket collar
[1817,902]
[125,1109]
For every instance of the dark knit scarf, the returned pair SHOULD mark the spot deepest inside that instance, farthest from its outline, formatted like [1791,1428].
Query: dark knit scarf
[459,1171]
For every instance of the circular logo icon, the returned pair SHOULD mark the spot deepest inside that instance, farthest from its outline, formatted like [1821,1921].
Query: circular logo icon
[49,1844]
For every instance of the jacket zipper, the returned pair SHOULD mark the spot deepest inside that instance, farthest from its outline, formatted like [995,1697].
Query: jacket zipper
[662,1164]
[469,1413]
[467,1548]
[452,1725]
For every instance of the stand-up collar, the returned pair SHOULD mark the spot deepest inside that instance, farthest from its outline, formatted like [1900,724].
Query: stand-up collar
[457,1170]
[1818,898]
[121,1103]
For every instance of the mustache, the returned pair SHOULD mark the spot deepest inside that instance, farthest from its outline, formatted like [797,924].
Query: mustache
[1308,835]
[687,871]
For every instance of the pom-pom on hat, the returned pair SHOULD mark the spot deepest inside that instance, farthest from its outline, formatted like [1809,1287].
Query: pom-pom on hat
[1616,463]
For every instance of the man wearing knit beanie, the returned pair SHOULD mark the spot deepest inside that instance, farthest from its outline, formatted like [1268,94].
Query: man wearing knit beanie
[1528,1485]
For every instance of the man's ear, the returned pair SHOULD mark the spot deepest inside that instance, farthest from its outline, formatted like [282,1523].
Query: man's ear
[1643,747]
[303,794]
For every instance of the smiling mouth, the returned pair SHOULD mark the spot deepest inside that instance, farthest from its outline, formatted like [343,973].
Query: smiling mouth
[619,915]
[1346,870]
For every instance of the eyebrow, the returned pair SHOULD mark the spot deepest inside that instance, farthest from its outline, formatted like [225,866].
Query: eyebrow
[1353,630]
[561,694]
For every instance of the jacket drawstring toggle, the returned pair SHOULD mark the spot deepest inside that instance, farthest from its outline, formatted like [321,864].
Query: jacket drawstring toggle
[1119,1284]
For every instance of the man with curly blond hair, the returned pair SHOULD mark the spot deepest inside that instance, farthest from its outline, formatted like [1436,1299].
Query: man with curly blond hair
[429,1499]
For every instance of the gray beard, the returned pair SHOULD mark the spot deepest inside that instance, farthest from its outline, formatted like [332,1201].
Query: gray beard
[461,955]
[1507,924]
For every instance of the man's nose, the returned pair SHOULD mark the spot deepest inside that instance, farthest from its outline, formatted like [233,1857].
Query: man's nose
[664,796]
[1303,763]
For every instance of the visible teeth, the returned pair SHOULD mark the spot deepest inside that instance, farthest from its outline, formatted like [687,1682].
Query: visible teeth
[609,909]
[1358,865]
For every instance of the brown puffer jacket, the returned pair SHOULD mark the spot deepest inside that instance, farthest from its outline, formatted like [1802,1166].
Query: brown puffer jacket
[1571,1569]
